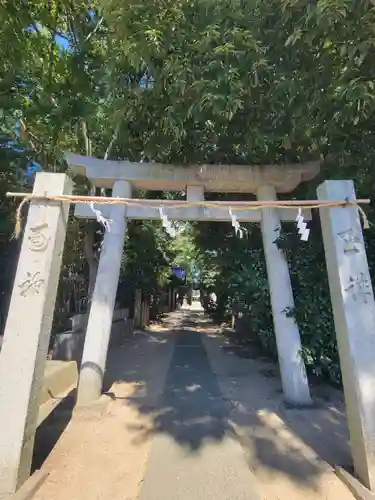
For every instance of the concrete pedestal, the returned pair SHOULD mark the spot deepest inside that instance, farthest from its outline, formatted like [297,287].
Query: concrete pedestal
[292,368]
[103,302]
[354,314]
[28,329]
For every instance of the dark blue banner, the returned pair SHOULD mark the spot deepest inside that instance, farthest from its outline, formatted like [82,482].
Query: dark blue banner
[179,272]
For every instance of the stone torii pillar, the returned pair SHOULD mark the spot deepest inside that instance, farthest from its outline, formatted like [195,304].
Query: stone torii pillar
[353,306]
[292,368]
[28,328]
[103,301]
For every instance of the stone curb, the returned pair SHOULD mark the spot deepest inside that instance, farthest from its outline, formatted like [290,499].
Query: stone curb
[359,491]
[29,489]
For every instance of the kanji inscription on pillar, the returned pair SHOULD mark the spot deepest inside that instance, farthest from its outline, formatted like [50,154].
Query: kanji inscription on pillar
[354,319]
[351,240]
[31,284]
[359,288]
[38,241]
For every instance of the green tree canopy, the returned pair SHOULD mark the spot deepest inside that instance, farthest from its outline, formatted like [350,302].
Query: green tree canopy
[193,81]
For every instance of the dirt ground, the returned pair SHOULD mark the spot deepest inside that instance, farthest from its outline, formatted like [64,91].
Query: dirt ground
[99,454]
[291,452]
[103,451]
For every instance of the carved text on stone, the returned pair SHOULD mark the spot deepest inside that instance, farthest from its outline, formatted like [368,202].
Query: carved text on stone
[351,240]
[38,241]
[359,287]
[31,284]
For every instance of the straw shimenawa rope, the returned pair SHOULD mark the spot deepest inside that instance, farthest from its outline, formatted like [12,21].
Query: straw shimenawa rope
[238,205]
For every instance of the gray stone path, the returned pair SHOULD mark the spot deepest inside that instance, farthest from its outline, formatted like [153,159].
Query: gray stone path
[194,454]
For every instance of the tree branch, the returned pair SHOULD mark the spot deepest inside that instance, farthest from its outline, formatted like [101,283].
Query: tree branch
[86,137]
[71,27]
[29,137]
[110,145]
[95,29]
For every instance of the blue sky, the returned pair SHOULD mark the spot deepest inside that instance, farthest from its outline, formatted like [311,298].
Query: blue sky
[62,42]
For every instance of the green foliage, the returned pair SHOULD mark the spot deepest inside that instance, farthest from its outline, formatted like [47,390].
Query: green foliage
[183,250]
[306,90]
[194,81]
[146,265]
[11,167]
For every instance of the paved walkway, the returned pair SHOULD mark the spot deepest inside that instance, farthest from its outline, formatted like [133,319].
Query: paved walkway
[187,419]
[195,454]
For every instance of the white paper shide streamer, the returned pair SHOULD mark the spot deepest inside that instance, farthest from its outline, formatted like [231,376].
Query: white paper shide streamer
[106,223]
[302,226]
[237,228]
[167,224]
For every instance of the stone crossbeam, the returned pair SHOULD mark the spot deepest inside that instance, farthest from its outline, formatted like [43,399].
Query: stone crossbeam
[214,178]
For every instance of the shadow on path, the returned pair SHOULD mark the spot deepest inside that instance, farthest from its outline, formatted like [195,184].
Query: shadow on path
[50,430]
[192,409]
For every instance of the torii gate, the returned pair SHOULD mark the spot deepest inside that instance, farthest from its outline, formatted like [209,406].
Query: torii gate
[25,345]
[125,177]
